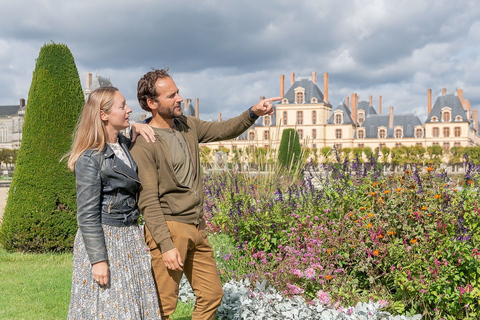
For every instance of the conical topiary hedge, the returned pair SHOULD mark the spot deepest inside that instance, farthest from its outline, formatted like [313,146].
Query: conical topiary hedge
[40,214]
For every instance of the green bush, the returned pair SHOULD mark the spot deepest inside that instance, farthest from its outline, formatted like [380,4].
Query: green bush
[41,206]
[289,152]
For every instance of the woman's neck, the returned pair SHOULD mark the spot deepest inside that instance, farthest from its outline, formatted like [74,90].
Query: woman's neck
[112,136]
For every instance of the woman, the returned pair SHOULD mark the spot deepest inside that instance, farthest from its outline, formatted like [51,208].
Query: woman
[111,278]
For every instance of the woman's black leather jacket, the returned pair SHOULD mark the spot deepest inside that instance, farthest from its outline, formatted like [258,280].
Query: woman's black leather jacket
[106,193]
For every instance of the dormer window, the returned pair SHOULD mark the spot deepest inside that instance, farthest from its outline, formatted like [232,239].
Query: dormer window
[361,117]
[382,133]
[338,118]
[285,101]
[458,118]
[434,119]
[314,100]
[446,116]
[251,135]
[266,120]
[361,134]
[418,133]
[299,95]
[398,133]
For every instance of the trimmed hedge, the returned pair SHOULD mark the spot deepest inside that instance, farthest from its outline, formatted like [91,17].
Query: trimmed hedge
[289,150]
[40,214]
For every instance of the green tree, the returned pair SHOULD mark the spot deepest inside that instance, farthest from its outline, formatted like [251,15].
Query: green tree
[289,152]
[40,214]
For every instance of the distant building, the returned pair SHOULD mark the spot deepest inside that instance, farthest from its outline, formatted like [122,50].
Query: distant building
[97,82]
[11,123]
[352,123]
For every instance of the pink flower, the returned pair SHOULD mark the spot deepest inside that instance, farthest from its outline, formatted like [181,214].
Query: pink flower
[296,272]
[293,289]
[310,274]
[324,297]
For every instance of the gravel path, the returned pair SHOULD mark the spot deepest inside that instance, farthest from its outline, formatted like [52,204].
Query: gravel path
[3,200]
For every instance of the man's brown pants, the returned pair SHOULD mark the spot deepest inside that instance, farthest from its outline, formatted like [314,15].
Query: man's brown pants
[198,265]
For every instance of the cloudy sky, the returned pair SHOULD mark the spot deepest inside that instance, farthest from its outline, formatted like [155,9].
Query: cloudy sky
[228,53]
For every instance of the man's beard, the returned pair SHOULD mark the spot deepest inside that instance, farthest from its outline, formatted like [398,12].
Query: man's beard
[169,113]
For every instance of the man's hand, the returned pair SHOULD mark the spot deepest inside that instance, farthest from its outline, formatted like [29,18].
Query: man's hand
[265,106]
[172,260]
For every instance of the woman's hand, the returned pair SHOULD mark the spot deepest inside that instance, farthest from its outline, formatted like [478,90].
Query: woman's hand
[144,130]
[101,273]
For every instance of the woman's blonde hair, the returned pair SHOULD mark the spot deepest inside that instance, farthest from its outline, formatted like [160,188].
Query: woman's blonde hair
[90,130]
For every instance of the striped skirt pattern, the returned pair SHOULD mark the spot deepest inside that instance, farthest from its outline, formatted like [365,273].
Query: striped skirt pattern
[131,292]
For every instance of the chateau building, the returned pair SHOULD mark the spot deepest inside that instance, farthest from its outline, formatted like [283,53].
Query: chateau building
[352,123]
[11,123]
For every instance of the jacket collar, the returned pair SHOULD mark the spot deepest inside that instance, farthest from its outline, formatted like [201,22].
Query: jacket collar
[118,164]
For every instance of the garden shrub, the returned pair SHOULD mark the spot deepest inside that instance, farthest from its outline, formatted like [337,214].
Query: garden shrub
[41,206]
[411,238]
[289,152]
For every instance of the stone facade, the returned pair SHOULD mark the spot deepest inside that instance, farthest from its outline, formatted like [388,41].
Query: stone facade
[11,123]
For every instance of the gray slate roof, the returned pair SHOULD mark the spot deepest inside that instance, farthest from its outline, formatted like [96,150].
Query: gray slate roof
[189,110]
[406,121]
[448,100]
[100,81]
[311,91]
[6,111]
[347,115]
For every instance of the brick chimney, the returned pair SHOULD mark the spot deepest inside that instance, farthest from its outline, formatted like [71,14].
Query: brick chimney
[186,104]
[219,117]
[314,77]
[88,82]
[292,78]
[371,101]
[444,90]
[390,118]
[354,107]
[429,101]
[475,119]
[325,87]
[460,96]
[380,105]
[22,102]
[197,110]
[282,85]
[348,102]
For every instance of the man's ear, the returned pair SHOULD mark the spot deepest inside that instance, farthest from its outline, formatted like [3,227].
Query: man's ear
[103,115]
[151,104]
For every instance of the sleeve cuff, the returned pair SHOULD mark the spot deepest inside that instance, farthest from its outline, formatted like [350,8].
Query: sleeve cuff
[252,115]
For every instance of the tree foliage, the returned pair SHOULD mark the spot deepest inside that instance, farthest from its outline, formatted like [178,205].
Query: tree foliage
[41,206]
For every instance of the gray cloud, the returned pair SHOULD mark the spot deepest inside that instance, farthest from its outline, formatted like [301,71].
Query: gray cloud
[228,53]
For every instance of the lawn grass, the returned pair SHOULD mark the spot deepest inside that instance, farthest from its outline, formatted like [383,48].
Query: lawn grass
[34,286]
[37,286]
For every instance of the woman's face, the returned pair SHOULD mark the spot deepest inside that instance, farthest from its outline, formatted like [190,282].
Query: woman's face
[118,116]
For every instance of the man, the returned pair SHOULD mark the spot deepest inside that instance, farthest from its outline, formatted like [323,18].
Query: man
[171,198]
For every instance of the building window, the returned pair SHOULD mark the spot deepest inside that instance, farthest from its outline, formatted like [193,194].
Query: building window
[398,133]
[361,134]
[314,133]
[382,133]
[251,135]
[361,117]
[3,134]
[419,144]
[267,120]
[446,132]
[398,145]
[299,117]
[300,97]
[435,132]
[419,133]
[458,118]
[338,118]
[284,117]
[434,119]
[234,147]
[457,144]
[360,145]
[338,133]
[457,131]
[314,100]
[314,117]
[446,116]
[446,146]
[435,144]
[381,146]
[266,135]
[300,134]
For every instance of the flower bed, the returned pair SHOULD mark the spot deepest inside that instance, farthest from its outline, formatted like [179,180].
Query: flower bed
[411,238]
